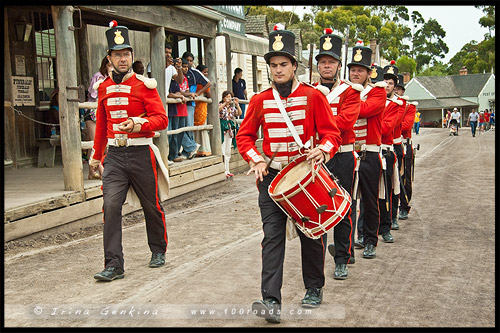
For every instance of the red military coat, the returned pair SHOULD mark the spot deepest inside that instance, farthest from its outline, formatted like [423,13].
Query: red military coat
[389,120]
[402,111]
[345,107]
[309,113]
[372,106]
[135,97]
[408,120]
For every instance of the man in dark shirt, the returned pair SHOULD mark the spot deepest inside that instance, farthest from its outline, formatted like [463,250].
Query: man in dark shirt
[240,89]
[194,76]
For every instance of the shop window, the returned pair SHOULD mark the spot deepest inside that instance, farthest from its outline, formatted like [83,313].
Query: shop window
[45,56]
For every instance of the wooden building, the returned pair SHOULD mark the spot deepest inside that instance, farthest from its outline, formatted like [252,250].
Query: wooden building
[62,46]
[438,94]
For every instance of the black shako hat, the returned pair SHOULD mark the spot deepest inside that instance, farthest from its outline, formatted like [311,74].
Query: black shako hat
[330,44]
[391,72]
[281,43]
[377,73]
[117,37]
[401,82]
[361,55]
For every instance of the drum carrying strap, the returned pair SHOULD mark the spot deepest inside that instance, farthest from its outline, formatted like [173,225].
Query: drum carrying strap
[288,122]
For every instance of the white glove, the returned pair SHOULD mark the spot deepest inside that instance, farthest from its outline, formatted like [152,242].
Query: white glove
[94,163]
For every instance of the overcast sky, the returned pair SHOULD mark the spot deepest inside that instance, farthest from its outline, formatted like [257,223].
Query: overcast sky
[461,23]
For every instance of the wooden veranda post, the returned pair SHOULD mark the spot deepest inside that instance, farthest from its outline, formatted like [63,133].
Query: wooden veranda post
[254,74]
[158,65]
[213,108]
[69,119]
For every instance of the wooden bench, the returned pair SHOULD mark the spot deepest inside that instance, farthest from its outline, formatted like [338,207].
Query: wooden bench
[47,151]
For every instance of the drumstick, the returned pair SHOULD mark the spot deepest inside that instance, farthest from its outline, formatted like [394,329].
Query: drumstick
[270,161]
[312,160]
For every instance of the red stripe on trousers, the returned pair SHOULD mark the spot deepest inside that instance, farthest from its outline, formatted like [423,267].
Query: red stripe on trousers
[153,165]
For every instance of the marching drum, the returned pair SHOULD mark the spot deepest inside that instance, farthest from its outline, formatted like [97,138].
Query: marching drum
[314,202]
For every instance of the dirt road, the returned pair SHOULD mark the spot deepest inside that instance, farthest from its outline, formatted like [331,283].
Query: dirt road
[439,271]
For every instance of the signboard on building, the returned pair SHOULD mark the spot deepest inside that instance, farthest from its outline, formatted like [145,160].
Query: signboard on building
[23,91]
[234,21]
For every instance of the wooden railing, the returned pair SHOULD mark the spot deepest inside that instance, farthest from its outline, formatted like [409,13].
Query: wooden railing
[93,105]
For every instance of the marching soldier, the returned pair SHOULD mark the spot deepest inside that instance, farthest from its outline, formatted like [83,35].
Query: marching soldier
[398,149]
[129,110]
[308,114]
[409,160]
[344,101]
[367,145]
[389,121]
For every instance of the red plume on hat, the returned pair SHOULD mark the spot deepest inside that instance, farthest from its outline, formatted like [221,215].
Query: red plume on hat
[359,43]
[393,62]
[328,31]
[113,24]
[279,26]
[374,64]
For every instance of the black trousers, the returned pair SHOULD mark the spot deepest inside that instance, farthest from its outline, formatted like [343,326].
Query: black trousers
[342,165]
[386,207]
[407,181]
[370,171]
[398,150]
[273,247]
[134,166]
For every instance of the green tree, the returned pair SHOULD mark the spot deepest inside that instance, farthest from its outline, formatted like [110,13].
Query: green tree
[487,21]
[273,15]
[477,57]
[428,44]
[438,69]
[406,64]
[363,25]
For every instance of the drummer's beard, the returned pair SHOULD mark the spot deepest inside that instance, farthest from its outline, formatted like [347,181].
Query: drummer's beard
[284,89]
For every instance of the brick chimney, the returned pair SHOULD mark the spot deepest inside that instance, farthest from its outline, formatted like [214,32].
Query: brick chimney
[373,46]
[406,77]
[463,70]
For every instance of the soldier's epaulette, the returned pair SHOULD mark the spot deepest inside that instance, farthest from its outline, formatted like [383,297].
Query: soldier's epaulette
[414,103]
[355,86]
[406,98]
[148,82]
[381,84]
[98,83]
[324,90]
[395,100]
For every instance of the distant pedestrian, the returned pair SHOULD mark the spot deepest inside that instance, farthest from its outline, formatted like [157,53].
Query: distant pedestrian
[416,124]
[481,122]
[473,118]
[138,67]
[240,89]
[486,120]
[448,118]
[229,110]
[455,115]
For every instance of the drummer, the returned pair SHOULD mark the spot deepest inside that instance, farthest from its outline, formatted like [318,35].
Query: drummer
[343,97]
[310,115]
